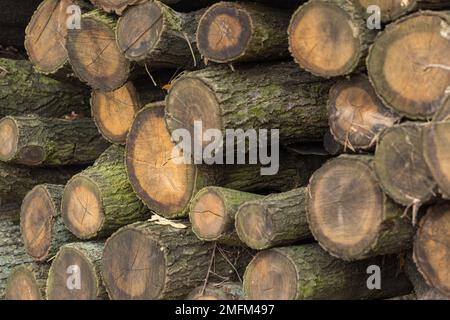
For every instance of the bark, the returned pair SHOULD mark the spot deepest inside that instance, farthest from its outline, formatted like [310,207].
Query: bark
[278,96]
[410,76]
[41,225]
[99,200]
[115,6]
[27,282]
[12,253]
[350,216]
[338,38]
[24,92]
[356,114]
[87,257]
[236,32]
[212,213]
[277,219]
[13,21]
[97,59]
[392,10]
[45,36]
[166,182]
[37,141]
[307,273]
[432,249]
[16,181]
[114,111]
[158,36]
[218,291]
[401,167]
[160,259]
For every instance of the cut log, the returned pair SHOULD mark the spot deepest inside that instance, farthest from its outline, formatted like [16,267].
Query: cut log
[166,183]
[212,213]
[16,181]
[75,273]
[329,37]
[306,273]
[160,259]
[114,111]
[435,144]
[410,75]
[432,248]
[421,289]
[37,141]
[391,10]
[350,216]
[12,253]
[277,219]
[45,35]
[356,114]
[236,32]
[99,200]
[401,167]
[24,92]
[94,55]
[277,96]
[158,36]
[13,21]
[218,291]
[27,282]
[43,231]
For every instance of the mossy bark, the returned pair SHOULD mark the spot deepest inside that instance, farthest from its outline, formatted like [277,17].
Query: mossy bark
[22,91]
[274,220]
[312,274]
[35,277]
[54,142]
[178,261]
[218,291]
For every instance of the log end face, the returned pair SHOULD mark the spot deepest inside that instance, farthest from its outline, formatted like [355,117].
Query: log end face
[133,266]
[254,226]
[189,102]
[164,182]
[345,207]
[114,111]
[224,32]
[324,40]
[9,135]
[271,276]
[82,207]
[139,30]
[207,215]
[60,286]
[431,248]
[22,285]
[37,218]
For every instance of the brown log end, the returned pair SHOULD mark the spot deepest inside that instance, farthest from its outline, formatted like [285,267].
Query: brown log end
[37,218]
[280,285]
[322,39]
[345,207]
[408,64]
[139,29]
[431,248]
[356,114]
[82,207]
[224,32]
[163,184]
[45,35]
[208,216]
[400,165]
[134,266]
[114,111]
[95,56]
[22,285]
[9,135]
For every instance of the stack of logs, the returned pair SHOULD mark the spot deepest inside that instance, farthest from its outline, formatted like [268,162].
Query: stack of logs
[94,204]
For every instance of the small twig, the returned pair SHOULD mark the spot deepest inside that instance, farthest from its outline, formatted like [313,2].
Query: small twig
[190,48]
[150,75]
[209,268]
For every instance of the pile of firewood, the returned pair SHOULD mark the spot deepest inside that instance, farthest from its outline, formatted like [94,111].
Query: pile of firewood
[93,204]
